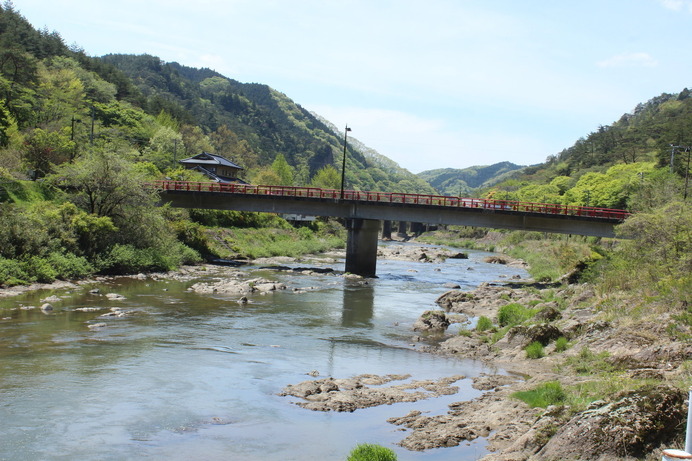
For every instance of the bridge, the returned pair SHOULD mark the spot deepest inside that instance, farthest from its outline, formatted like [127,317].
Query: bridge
[363,212]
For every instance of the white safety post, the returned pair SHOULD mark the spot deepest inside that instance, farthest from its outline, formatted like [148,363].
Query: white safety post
[688,437]
[672,455]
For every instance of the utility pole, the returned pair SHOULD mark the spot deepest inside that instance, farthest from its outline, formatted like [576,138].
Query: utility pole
[93,118]
[687,172]
[343,165]
[688,150]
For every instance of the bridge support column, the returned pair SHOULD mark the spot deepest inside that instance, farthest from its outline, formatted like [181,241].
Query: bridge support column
[386,230]
[402,229]
[417,228]
[361,246]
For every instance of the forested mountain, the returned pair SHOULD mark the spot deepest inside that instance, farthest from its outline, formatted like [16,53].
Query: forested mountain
[617,166]
[57,103]
[451,181]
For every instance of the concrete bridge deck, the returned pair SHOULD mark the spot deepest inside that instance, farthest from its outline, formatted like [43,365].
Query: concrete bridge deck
[363,211]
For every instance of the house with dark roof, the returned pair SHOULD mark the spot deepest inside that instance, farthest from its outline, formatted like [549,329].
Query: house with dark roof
[215,167]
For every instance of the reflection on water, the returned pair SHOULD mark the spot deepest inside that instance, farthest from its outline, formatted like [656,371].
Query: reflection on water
[189,376]
[358,305]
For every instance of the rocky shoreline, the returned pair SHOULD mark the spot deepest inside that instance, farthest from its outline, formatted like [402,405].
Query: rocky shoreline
[621,428]
[515,431]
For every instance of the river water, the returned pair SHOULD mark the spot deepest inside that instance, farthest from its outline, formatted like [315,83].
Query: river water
[189,376]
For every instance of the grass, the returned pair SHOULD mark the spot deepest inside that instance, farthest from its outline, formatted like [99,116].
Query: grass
[544,395]
[579,396]
[484,324]
[514,314]
[371,452]
[589,363]
[561,344]
[535,350]
[548,259]
[264,243]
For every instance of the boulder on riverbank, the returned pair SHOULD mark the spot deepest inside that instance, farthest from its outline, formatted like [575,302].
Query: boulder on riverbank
[432,321]
[632,426]
[238,287]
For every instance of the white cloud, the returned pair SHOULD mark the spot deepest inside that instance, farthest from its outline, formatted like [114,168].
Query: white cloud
[677,5]
[630,60]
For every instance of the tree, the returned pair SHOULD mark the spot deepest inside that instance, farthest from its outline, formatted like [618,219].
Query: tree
[60,95]
[163,148]
[657,252]
[326,178]
[103,184]
[610,189]
[46,149]
[283,170]
[195,140]
[267,177]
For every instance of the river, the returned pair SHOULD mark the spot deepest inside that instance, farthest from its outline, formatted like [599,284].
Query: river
[188,376]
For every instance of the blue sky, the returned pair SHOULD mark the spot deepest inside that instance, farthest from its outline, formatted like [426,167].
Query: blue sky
[430,84]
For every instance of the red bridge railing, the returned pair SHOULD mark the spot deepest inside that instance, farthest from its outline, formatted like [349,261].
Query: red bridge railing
[394,197]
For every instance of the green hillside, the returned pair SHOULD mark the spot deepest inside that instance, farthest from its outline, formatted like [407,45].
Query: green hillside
[639,161]
[161,112]
[465,182]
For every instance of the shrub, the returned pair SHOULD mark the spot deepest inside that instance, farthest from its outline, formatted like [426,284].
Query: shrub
[548,393]
[484,324]
[534,350]
[514,314]
[126,259]
[561,344]
[39,269]
[12,273]
[371,452]
[183,254]
[70,266]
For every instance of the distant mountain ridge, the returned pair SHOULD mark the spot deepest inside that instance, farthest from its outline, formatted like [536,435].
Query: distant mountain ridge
[452,181]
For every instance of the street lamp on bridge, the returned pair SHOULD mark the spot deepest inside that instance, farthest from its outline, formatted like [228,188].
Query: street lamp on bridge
[343,165]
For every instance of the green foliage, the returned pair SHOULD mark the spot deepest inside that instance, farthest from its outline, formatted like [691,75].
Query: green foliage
[230,218]
[561,344]
[371,452]
[283,170]
[46,269]
[46,149]
[610,189]
[163,148]
[127,259]
[657,255]
[192,235]
[484,324]
[549,256]
[258,243]
[69,266]
[544,395]
[327,178]
[12,273]
[534,350]
[514,314]
[454,182]
[104,184]
[589,363]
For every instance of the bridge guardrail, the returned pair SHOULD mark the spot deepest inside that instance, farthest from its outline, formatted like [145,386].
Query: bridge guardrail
[395,197]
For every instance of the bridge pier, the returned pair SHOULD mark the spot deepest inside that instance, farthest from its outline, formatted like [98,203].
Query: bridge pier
[361,246]
[386,230]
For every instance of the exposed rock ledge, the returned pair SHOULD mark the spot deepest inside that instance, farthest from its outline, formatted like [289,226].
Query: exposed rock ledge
[350,394]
